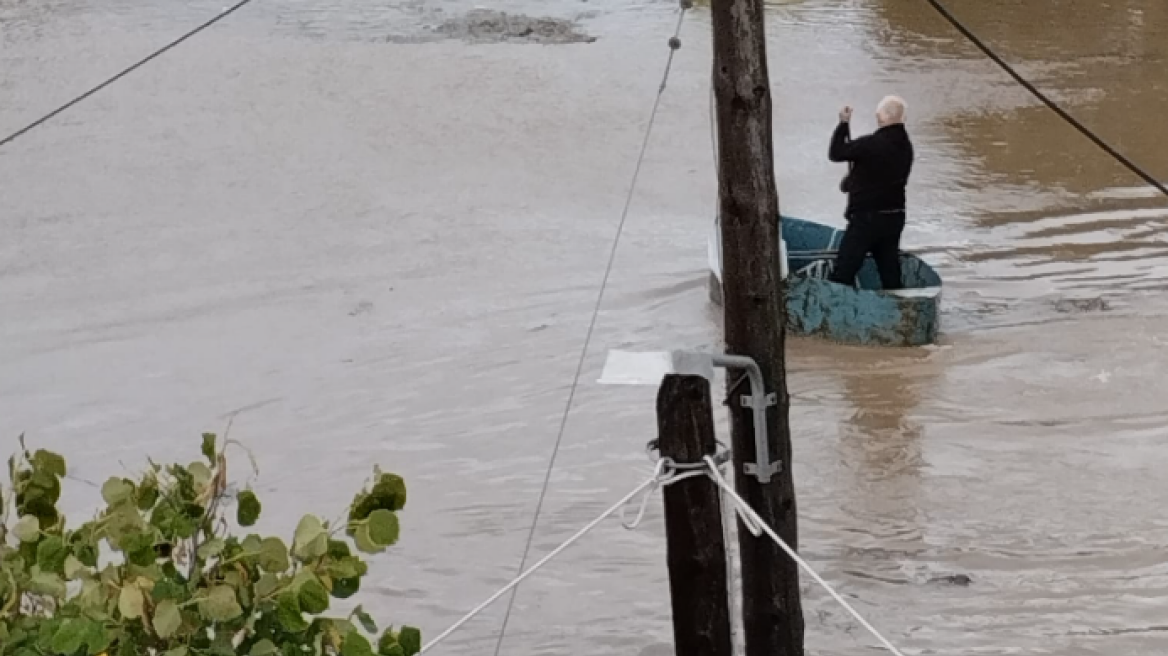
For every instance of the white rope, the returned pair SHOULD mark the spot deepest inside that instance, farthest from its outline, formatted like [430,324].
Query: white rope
[755,523]
[660,477]
[666,472]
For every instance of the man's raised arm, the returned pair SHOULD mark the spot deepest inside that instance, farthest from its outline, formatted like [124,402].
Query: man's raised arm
[843,148]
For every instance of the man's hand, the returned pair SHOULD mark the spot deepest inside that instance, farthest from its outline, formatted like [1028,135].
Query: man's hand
[845,115]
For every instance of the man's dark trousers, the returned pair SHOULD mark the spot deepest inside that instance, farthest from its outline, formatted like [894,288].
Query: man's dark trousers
[877,233]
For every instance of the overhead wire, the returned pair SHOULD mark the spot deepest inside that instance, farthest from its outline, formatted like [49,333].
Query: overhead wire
[1084,130]
[674,45]
[126,71]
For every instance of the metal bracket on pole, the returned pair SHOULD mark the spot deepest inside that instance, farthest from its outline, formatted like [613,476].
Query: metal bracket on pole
[758,401]
[624,368]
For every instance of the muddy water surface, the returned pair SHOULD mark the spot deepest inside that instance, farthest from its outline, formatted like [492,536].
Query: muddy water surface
[382,242]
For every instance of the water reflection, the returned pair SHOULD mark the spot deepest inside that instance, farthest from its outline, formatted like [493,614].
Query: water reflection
[880,449]
[880,438]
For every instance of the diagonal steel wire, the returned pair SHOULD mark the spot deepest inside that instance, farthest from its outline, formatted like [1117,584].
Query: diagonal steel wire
[674,44]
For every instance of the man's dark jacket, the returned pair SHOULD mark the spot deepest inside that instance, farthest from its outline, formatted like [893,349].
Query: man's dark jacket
[880,166]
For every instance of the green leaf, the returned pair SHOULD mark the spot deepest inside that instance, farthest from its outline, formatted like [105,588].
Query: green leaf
[201,473]
[167,619]
[131,603]
[123,528]
[288,613]
[343,627]
[167,589]
[388,644]
[273,556]
[311,540]
[314,599]
[172,522]
[220,604]
[116,490]
[51,554]
[304,575]
[43,486]
[50,462]
[388,493]
[92,597]
[69,637]
[252,544]
[209,447]
[136,541]
[248,512]
[338,549]
[45,512]
[73,567]
[27,529]
[211,548]
[365,619]
[232,547]
[151,572]
[345,588]
[383,527]
[234,579]
[138,545]
[184,527]
[177,651]
[148,493]
[46,583]
[266,584]
[410,639]
[98,639]
[391,490]
[223,645]
[356,645]
[345,568]
[184,483]
[264,647]
[87,554]
[364,540]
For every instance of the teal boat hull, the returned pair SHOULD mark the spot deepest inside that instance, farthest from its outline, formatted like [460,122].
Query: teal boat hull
[862,315]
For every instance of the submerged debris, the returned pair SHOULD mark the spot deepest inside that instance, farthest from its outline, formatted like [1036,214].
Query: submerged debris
[961,580]
[491,26]
[1098,304]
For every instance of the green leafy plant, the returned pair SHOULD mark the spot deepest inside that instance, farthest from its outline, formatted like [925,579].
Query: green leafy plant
[158,572]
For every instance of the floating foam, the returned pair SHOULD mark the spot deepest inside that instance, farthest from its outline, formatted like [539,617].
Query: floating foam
[1143,191]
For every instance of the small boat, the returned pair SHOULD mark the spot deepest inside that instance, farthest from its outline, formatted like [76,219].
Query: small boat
[866,314]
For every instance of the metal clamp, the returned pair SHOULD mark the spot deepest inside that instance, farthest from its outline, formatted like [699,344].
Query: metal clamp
[758,401]
[648,367]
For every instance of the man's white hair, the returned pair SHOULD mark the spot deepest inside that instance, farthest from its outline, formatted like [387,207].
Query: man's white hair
[892,109]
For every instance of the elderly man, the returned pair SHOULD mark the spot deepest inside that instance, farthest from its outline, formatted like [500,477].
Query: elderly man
[878,169]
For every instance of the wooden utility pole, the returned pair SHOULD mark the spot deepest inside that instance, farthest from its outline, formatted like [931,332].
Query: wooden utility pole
[696,548]
[755,318]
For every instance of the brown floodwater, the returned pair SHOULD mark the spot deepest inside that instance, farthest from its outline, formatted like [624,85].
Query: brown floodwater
[381,245]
